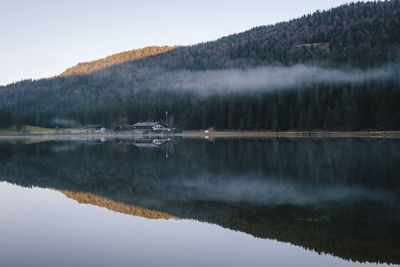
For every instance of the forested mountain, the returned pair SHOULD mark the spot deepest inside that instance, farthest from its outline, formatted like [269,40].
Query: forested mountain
[92,66]
[220,84]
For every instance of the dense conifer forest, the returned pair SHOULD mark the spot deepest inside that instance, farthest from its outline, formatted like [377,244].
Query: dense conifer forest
[352,38]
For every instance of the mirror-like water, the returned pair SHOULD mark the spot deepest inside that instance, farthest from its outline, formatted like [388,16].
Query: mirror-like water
[226,202]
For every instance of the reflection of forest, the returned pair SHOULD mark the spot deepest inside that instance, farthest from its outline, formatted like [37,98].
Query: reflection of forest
[348,188]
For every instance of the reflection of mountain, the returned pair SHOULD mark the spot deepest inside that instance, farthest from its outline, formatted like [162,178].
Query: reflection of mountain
[87,198]
[332,196]
[334,229]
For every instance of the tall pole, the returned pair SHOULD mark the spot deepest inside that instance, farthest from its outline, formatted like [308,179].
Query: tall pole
[166,118]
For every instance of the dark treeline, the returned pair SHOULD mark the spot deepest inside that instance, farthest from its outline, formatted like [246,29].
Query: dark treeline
[321,107]
[326,107]
[6,118]
[362,35]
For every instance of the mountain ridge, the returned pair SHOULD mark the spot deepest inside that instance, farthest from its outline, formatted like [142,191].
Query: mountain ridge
[298,40]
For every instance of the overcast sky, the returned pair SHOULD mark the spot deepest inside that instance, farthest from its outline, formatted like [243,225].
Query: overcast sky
[41,38]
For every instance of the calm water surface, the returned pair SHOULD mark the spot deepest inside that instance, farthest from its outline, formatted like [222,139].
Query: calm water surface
[225,202]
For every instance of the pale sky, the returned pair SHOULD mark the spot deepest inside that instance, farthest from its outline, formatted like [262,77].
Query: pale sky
[41,38]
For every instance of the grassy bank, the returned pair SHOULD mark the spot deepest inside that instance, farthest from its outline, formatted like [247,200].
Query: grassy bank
[35,130]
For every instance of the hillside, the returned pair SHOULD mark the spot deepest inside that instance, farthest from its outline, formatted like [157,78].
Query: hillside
[332,70]
[92,66]
[361,34]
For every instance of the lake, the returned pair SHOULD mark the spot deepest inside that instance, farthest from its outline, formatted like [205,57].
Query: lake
[197,202]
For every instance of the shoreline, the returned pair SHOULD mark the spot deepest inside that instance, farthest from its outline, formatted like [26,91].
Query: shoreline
[203,134]
[294,134]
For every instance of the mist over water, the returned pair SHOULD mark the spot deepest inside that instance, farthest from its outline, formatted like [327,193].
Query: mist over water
[255,79]
[264,79]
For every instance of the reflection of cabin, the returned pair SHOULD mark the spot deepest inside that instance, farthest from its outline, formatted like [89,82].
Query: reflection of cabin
[150,143]
[149,127]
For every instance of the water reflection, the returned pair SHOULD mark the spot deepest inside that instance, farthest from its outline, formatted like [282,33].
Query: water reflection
[332,196]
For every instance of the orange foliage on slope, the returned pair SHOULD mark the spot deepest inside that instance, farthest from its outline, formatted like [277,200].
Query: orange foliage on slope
[92,66]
